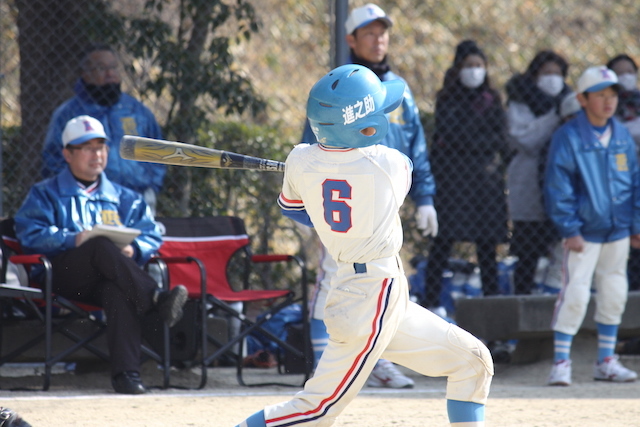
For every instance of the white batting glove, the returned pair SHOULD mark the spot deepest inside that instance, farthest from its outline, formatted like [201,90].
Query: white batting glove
[427,220]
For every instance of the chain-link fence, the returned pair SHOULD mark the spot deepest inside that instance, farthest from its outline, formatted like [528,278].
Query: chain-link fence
[235,75]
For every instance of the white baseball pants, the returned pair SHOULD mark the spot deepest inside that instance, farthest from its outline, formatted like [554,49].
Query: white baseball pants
[605,266]
[368,317]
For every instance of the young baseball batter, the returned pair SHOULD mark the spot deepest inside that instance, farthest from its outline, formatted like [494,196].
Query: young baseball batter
[350,188]
[592,194]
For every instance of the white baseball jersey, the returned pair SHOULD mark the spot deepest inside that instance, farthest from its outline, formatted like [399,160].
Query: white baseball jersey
[334,185]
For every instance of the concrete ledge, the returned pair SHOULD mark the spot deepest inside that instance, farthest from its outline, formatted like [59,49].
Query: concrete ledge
[529,316]
[528,319]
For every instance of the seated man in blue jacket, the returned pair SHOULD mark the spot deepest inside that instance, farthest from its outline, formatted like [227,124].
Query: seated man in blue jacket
[98,94]
[54,219]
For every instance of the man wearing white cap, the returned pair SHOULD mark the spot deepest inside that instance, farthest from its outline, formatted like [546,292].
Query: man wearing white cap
[368,37]
[54,220]
[592,194]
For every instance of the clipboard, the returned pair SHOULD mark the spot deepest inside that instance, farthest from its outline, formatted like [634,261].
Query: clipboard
[121,236]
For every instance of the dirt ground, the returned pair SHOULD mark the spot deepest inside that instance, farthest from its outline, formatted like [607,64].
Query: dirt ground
[519,397]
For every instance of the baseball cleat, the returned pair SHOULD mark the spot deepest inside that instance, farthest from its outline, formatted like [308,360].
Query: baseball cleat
[385,374]
[560,373]
[610,369]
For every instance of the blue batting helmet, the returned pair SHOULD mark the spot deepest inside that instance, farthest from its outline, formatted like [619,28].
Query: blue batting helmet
[349,99]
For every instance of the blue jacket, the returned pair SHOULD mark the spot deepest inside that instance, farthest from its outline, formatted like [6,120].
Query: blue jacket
[128,117]
[57,209]
[407,136]
[591,190]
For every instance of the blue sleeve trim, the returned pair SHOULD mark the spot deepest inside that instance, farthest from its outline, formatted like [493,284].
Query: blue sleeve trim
[300,216]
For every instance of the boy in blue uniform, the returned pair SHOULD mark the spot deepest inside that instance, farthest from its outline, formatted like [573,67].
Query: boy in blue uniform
[592,194]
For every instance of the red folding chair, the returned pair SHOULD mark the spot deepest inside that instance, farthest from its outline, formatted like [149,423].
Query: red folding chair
[211,256]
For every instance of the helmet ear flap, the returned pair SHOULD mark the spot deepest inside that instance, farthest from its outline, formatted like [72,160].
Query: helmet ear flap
[379,123]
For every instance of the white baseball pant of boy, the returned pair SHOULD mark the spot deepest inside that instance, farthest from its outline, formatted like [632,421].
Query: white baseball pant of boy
[605,266]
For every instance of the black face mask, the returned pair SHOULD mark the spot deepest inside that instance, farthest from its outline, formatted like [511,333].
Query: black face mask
[106,95]
[379,68]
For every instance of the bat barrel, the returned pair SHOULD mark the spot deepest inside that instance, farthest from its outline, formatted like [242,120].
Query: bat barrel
[180,154]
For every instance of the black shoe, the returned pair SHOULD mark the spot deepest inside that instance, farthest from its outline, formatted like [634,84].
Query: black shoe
[9,418]
[170,304]
[128,382]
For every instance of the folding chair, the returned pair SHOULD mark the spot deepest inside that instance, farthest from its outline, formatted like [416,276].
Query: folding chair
[38,296]
[201,254]
[12,291]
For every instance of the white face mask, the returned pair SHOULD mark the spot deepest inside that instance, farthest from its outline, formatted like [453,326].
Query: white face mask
[551,84]
[472,77]
[628,81]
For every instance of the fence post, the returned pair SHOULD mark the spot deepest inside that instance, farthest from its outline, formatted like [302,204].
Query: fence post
[340,51]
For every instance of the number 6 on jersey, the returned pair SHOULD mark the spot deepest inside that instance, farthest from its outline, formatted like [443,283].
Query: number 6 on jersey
[337,212]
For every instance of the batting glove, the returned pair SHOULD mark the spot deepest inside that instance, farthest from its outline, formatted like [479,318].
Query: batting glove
[427,220]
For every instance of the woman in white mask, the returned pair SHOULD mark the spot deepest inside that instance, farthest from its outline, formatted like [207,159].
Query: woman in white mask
[628,111]
[467,151]
[534,98]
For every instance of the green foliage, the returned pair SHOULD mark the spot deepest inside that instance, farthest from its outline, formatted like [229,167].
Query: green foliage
[100,24]
[249,194]
[225,191]
[192,64]
[184,50]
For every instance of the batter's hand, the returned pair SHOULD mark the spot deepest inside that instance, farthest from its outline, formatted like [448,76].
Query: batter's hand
[575,243]
[635,241]
[427,220]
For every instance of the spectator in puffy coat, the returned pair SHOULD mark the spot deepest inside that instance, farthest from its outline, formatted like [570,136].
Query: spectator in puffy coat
[533,115]
[467,160]
[628,111]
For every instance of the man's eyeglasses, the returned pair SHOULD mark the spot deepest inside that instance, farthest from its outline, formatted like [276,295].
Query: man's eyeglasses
[89,149]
